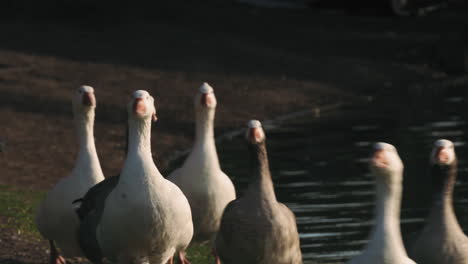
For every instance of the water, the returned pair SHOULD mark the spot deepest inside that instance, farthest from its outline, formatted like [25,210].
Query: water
[277,3]
[319,168]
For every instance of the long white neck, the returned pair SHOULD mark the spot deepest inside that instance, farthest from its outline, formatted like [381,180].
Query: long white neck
[139,175]
[386,229]
[139,138]
[87,158]
[204,150]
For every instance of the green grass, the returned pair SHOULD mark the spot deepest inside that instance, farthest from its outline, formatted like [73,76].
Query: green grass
[18,208]
[200,254]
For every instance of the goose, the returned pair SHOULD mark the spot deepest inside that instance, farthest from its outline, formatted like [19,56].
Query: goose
[207,188]
[139,217]
[55,218]
[385,245]
[442,240]
[256,228]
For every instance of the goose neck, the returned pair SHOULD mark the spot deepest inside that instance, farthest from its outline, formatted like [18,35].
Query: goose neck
[387,211]
[139,173]
[263,183]
[139,137]
[204,152]
[85,129]
[204,128]
[87,155]
[444,179]
[388,201]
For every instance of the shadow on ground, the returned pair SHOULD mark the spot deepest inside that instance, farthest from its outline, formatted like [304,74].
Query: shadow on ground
[220,38]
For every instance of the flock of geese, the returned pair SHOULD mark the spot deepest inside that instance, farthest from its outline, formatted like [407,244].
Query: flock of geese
[140,217]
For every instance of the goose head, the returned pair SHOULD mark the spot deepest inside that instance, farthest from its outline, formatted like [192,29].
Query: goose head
[205,99]
[443,162]
[141,107]
[385,161]
[84,100]
[443,153]
[255,134]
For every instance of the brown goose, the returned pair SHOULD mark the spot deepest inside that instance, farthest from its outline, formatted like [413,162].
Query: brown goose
[256,228]
[442,241]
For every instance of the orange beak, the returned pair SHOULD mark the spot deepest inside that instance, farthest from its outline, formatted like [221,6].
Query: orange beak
[255,134]
[206,99]
[380,159]
[139,106]
[442,155]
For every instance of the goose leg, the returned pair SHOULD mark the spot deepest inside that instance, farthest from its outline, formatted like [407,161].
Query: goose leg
[215,255]
[171,260]
[182,258]
[55,257]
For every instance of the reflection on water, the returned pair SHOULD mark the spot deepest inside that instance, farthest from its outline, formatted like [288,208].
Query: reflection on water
[320,171]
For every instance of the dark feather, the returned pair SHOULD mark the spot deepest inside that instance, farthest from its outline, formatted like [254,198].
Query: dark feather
[89,213]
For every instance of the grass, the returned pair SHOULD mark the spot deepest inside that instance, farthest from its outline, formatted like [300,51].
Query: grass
[18,209]
[200,254]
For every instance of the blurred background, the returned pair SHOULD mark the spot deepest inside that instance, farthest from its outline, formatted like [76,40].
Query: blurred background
[329,76]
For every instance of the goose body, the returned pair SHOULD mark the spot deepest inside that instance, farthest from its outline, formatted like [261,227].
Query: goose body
[56,219]
[144,218]
[256,228]
[385,245]
[207,188]
[442,240]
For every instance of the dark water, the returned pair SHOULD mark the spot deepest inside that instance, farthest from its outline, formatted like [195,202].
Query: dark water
[320,170]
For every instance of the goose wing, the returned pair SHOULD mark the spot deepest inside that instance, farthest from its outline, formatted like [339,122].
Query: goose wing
[90,212]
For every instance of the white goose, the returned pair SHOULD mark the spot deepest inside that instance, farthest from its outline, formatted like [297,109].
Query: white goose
[55,218]
[144,218]
[205,185]
[385,245]
[442,240]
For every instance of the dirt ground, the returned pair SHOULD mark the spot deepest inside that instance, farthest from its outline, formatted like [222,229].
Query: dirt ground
[262,63]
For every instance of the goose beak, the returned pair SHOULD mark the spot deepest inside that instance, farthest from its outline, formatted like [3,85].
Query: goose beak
[255,134]
[139,106]
[88,99]
[379,159]
[207,99]
[442,155]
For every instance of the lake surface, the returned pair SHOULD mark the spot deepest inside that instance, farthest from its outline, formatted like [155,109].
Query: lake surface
[319,167]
